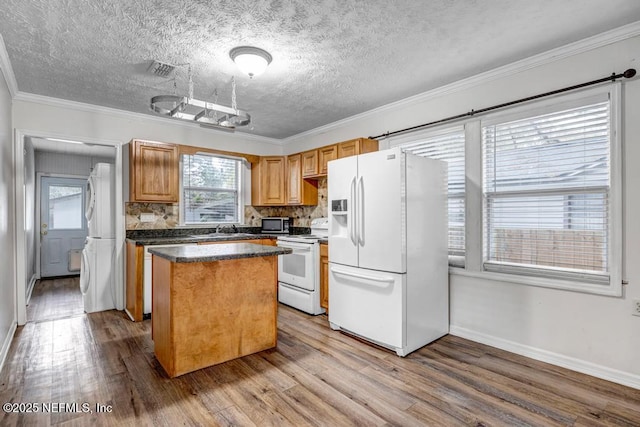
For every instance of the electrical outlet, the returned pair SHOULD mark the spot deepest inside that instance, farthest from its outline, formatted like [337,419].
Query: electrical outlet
[636,307]
[147,217]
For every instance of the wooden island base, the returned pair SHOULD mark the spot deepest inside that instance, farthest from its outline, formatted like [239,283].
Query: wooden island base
[205,313]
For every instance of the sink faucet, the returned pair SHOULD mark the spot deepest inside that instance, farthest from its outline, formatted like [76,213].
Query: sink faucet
[235,229]
[218,228]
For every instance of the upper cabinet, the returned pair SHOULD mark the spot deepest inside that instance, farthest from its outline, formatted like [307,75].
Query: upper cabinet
[299,191]
[310,163]
[357,146]
[326,154]
[267,181]
[153,172]
[314,162]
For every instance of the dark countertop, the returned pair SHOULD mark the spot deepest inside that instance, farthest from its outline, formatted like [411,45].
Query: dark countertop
[207,253]
[176,240]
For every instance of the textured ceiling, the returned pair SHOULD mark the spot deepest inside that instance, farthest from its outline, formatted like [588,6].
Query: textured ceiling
[331,59]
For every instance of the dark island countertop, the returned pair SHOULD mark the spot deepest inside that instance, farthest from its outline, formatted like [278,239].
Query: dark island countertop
[212,237]
[220,252]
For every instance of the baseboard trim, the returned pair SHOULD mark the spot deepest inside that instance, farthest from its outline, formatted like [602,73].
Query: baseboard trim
[32,283]
[7,343]
[578,365]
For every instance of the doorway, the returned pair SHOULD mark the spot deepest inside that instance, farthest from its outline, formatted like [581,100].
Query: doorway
[27,215]
[63,226]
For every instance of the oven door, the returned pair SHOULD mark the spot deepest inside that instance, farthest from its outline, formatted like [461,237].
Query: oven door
[297,268]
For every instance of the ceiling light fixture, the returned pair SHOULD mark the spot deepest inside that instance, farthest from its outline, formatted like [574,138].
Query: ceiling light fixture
[251,60]
[206,114]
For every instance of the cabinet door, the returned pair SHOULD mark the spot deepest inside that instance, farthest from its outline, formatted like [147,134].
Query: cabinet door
[357,146]
[324,276]
[299,191]
[267,182]
[134,282]
[310,163]
[153,172]
[348,148]
[294,179]
[326,154]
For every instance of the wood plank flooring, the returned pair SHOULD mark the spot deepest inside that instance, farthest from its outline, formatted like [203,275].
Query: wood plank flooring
[54,299]
[315,376]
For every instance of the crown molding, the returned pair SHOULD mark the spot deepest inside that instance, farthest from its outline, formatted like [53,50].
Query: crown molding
[603,39]
[7,69]
[91,108]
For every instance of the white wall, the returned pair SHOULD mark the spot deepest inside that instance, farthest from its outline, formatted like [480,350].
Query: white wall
[7,211]
[30,220]
[590,333]
[67,164]
[47,115]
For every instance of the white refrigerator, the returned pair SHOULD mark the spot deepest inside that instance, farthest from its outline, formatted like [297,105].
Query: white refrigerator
[97,278]
[388,262]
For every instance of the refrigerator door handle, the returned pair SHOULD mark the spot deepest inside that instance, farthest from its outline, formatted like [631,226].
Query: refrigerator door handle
[352,218]
[378,279]
[91,203]
[361,212]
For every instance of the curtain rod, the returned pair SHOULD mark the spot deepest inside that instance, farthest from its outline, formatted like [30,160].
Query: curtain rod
[627,75]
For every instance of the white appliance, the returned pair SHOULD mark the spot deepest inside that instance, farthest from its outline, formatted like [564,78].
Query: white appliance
[100,197]
[388,263]
[97,268]
[299,272]
[96,275]
[147,276]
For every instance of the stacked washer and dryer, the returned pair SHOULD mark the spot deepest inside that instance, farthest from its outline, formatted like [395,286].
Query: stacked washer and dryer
[97,267]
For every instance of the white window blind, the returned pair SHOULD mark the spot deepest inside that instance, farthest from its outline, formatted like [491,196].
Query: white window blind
[448,146]
[547,194]
[210,189]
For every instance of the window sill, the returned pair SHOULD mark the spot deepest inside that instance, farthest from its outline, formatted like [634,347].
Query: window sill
[586,288]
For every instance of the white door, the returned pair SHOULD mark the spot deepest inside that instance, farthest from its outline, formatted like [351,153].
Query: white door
[381,218]
[63,228]
[343,238]
[368,303]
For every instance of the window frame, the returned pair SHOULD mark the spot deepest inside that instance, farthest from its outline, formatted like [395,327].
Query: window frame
[475,266]
[240,190]
[455,260]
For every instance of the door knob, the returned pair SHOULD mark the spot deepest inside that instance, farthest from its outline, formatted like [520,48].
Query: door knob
[44,232]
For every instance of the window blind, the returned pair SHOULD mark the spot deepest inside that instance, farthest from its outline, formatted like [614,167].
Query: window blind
[210,189]
[546,194]
[447,146]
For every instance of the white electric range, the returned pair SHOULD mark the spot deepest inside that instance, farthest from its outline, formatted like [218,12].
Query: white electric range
[299,272]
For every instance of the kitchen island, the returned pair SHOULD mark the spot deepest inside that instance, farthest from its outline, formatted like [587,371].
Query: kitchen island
[213,303]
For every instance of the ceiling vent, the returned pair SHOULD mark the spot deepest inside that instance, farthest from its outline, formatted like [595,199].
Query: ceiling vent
[161,69]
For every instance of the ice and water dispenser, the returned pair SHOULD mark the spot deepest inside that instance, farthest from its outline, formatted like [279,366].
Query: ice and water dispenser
[340,214]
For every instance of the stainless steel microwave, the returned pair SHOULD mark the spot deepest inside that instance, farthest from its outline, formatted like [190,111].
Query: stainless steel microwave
[276,225]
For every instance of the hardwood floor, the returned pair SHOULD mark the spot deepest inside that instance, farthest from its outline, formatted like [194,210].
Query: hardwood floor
[55,298]
[315,376]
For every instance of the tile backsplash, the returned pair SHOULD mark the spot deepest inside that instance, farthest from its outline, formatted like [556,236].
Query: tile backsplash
[163,216]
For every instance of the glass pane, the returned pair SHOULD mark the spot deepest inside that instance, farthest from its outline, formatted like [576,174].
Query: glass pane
[210,172]
[448,147]
[566,231]
[65,207]
[210,206]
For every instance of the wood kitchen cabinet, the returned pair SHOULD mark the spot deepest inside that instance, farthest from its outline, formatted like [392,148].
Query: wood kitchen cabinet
[153,172]
[267,181]
[298,190]
[325,155]
[310,163]
[356,146]
[134,282]
[324,276]
[314,162]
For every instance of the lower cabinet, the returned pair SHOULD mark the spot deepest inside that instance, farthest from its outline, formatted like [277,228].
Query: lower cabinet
[324,276]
